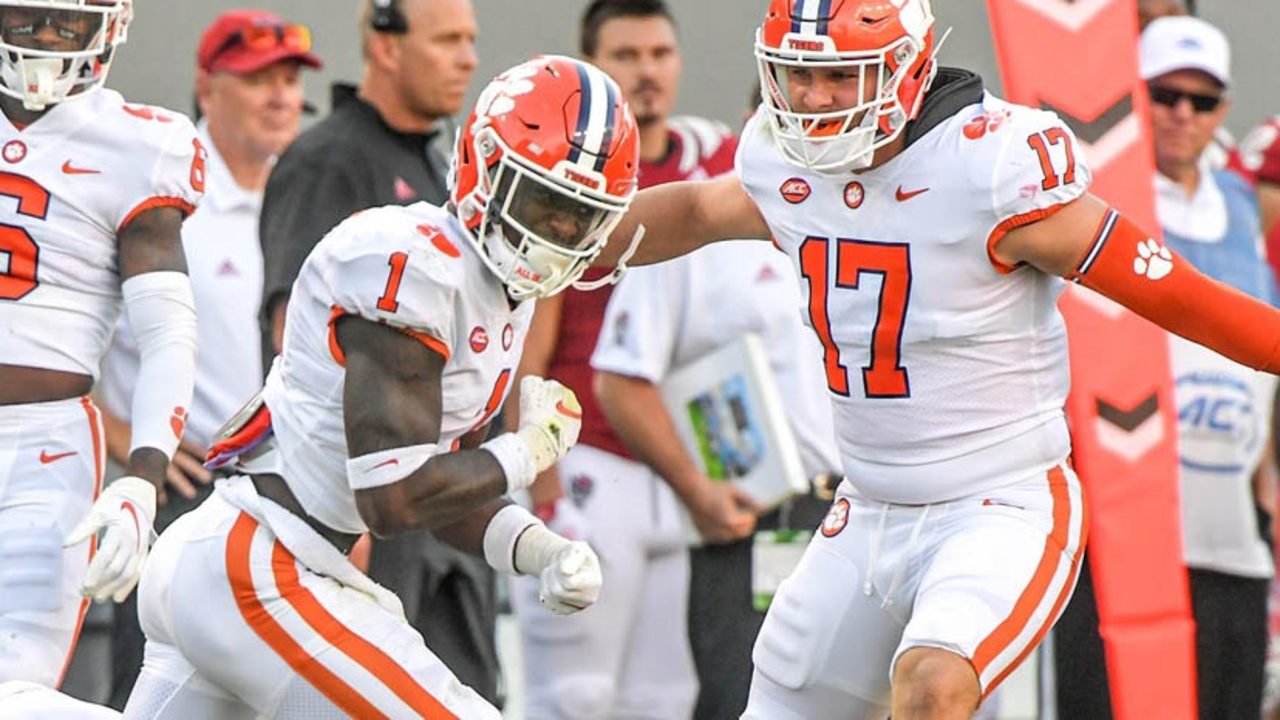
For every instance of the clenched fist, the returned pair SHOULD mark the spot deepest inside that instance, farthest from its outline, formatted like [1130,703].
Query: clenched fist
[571,582]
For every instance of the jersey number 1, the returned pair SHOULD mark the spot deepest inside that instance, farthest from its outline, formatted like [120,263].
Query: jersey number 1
[18,275]
[883,376]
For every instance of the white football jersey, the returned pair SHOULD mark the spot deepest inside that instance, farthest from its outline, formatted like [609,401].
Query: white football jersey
[68,183]
[411,268]
[948,373]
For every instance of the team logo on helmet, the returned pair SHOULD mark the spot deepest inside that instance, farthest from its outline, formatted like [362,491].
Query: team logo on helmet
[479,339]
[795,190]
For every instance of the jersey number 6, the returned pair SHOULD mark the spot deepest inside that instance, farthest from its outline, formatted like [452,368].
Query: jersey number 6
[883,376]
[23,254]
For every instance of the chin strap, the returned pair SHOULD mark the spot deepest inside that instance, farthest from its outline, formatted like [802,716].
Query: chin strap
[618,271]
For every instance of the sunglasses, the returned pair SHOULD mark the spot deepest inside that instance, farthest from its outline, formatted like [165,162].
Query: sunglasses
[293,37]
[1170,98]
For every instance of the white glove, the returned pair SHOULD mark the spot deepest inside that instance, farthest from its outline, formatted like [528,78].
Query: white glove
[550,419]
[571,582]
[124,512]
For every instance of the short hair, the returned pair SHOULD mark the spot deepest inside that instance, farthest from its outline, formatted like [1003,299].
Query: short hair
[601,11]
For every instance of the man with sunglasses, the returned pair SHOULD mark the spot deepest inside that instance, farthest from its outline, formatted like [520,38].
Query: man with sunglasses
[1210,218]
[378,147]
[249,96]
[94,192]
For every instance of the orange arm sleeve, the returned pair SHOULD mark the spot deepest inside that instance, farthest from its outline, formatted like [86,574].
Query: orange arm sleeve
[1126,265]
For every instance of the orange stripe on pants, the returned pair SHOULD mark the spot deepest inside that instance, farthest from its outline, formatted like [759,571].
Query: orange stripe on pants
[239,543]
[360,650]
[1034,594]
[99,465]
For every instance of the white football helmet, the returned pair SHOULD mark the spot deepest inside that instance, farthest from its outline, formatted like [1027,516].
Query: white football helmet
[42,68]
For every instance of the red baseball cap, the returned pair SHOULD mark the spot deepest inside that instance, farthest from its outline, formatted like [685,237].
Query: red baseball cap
[245,41]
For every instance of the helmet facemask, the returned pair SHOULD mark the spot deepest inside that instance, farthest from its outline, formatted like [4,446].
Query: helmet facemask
[536,232]
[844,139]
[88,32]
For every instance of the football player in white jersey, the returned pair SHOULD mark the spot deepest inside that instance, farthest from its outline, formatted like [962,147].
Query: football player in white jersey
[931,225]
[404,329]
[93,192]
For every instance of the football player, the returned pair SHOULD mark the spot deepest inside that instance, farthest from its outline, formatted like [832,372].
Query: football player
[931,225]
[94,194]
[404,329]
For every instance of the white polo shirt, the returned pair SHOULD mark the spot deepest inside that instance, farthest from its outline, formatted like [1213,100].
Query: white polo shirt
[224,260]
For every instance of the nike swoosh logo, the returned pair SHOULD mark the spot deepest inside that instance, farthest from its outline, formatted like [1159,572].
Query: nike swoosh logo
[46,458]
[560,408]
[69,169]
[905,196]
[386,463]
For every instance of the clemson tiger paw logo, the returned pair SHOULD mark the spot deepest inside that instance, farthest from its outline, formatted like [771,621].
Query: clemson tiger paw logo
[178,421]
[1154,260]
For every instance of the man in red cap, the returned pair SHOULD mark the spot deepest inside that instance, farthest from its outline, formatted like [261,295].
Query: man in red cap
[249,97]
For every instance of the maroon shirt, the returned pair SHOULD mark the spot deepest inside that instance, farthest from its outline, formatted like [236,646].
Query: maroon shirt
[699,149]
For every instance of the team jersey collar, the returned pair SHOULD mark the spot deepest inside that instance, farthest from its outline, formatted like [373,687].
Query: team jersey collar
[953,90]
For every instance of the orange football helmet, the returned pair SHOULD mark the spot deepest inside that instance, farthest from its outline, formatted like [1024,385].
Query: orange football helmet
[544,169]
[886,45]
[40,76]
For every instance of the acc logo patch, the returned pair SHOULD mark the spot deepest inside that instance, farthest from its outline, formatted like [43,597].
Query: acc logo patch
[795,190]
[853,194]
[479,339]
[508,336]
[837,517]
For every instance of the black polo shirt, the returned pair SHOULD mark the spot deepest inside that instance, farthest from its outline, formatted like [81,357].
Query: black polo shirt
[350,161]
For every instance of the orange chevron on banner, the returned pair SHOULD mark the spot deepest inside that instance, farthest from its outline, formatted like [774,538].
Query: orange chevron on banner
[1079,59]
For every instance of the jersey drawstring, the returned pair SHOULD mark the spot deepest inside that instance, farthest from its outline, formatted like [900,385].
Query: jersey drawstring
[906,558]
[874,557]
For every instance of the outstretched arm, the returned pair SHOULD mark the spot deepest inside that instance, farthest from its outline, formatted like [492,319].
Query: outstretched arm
[1090,243]
[681,217]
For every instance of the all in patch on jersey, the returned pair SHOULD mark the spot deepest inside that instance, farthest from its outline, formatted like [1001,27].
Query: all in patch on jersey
[479,339]
[794,190]
[837,517]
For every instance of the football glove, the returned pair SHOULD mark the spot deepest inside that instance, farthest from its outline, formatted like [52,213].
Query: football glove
[550,419]
[124,514]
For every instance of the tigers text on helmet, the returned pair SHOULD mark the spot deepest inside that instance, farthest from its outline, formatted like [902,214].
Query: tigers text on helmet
[883,48]
[544,169]
[56,50]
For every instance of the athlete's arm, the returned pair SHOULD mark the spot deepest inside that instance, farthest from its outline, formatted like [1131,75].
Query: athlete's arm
[722,512]
[1089,243]
[539,347]
[161,312]
[159,305]
[393,399]
[681,217]
[392,407]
